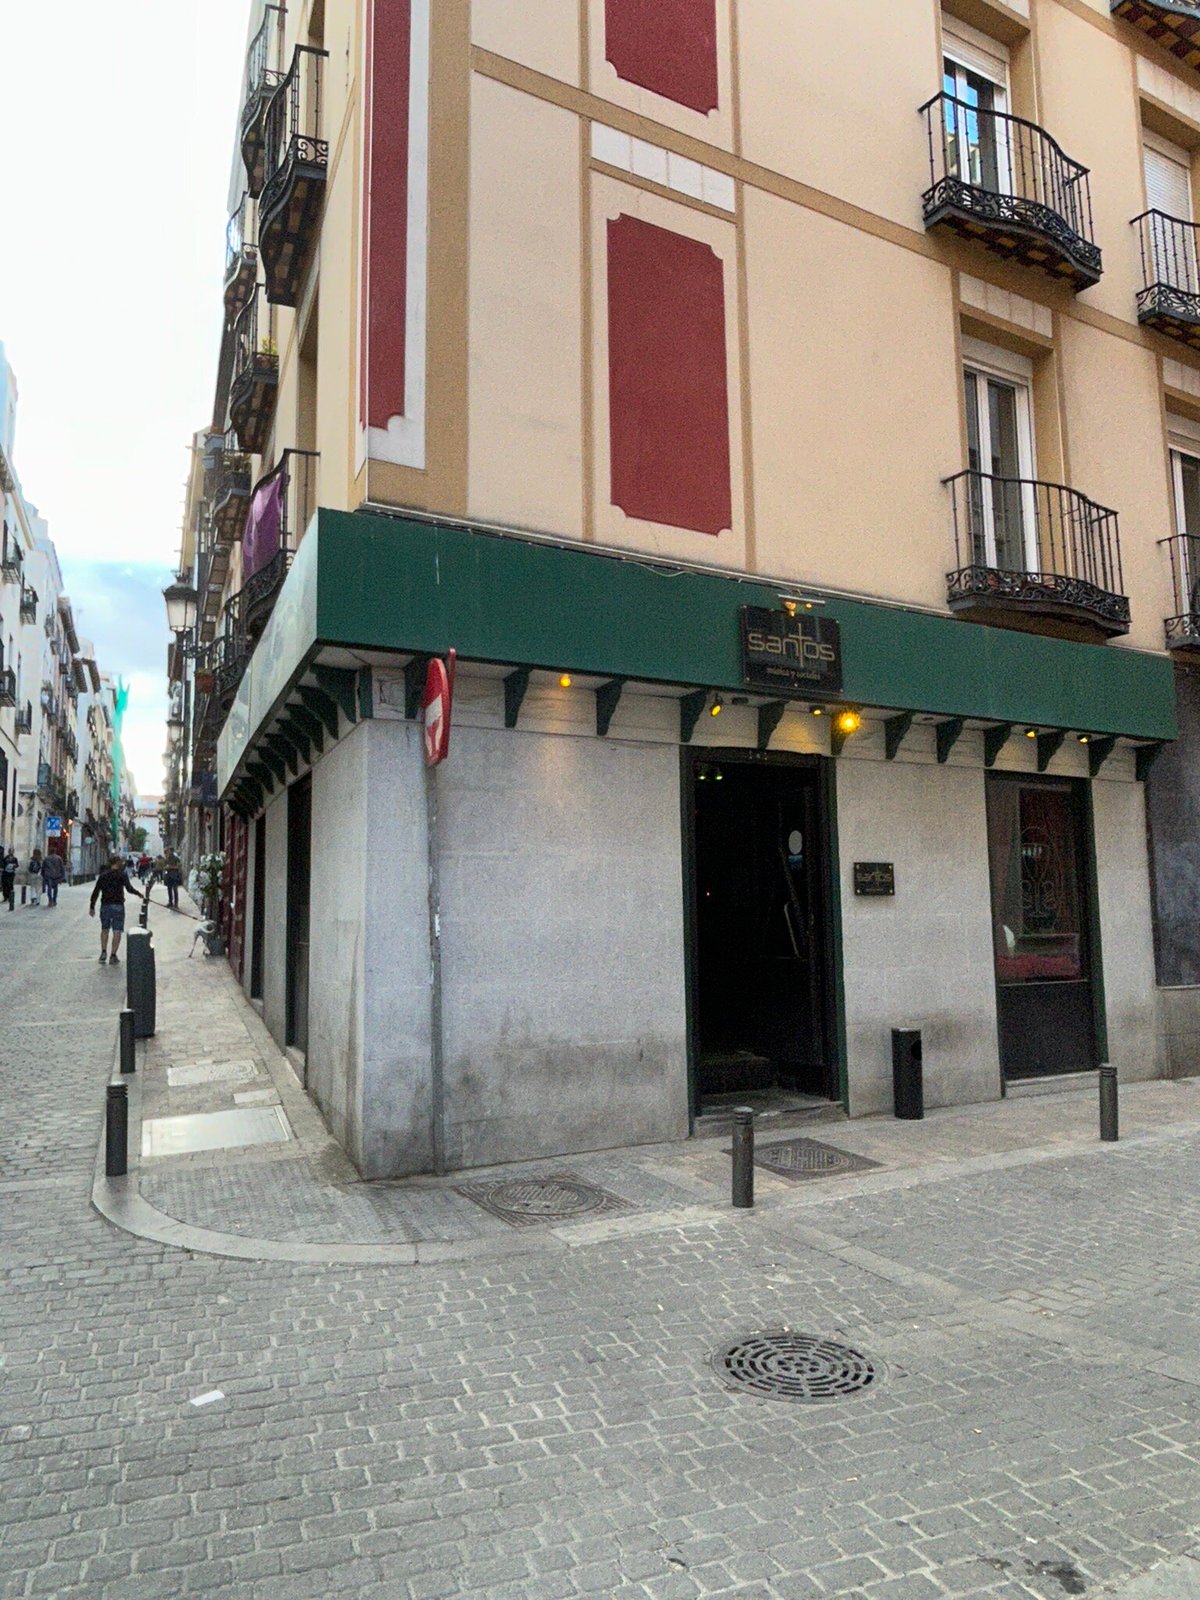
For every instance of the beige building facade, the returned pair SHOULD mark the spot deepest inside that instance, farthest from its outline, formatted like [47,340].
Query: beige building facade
[790,417]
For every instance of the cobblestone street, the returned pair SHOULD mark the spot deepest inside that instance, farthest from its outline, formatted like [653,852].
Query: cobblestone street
[545,1424]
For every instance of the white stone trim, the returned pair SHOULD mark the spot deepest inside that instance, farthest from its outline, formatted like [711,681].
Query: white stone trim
[403,440]
[650,161]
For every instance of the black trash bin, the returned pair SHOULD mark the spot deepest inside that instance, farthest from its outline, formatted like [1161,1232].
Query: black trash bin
[908,1087]
[140,981]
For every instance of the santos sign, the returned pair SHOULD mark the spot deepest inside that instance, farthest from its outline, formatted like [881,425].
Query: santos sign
[796,655]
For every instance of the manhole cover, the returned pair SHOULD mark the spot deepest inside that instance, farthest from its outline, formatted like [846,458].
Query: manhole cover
[558,1197]
[782,1365]
[808,1158]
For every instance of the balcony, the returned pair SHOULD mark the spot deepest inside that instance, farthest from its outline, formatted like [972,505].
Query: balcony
[8,687]
[1005,184]
[11,561]
[1174,24]
[1035,556]
[297,161]
[241,259]
[231,496]
[1183,629]
[1169,299]
[264,74]
[29,604]
[254,383]
[283,504]
[230,655]
[25,720]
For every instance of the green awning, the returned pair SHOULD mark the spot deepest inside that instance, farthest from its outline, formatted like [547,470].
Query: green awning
[390,583]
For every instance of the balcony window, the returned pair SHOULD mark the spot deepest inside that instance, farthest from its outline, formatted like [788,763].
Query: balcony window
[241,258]
[1169,299]
[297,159]
[1029,554]
[1183,628]
[264,74]
[999,180]
[255,379]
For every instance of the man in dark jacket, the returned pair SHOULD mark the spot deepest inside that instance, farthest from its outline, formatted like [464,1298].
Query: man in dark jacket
[110,889]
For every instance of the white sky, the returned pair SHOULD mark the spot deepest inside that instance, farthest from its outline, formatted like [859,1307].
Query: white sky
[117,125]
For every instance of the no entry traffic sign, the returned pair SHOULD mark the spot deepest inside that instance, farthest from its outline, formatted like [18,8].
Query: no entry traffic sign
[435,708]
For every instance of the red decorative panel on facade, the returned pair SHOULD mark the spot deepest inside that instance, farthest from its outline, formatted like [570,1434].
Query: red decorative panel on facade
[233,894]
[668,387]
[385,202]
[669,46]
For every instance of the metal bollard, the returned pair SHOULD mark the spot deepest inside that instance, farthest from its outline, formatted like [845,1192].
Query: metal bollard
[743,1157]
[140,986]
[144,913]
[128,1058]
[116,1131]
[1108,1102]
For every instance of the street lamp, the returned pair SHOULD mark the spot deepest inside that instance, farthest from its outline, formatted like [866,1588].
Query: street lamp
[181,600]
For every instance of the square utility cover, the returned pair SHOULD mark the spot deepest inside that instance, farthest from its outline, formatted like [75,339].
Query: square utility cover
[214,1130]
[801,1159]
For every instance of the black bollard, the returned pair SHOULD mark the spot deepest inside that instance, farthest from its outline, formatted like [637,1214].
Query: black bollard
[1108,1102]
[128,1058]
[743,1157]
[116,1131]
[140,986]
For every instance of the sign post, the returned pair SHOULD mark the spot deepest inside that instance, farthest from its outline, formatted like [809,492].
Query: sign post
[435,715]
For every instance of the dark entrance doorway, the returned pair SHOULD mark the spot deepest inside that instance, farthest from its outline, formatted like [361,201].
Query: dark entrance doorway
[761,974]
[258,916]
[299,882]
[1042,929]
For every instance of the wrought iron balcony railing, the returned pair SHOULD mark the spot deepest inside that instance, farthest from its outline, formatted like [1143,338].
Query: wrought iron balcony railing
[8,687]
[264,74]
[283,504]
[254,381]
[241,258]
[1005,183]
[1169,299]
[297,160]
[231,496]
[12,562]
[1183,629]
[1037,556]
[29,604]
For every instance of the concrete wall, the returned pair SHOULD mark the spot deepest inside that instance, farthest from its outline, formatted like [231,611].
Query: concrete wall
[275,920]
[562,936]
[924,958]
[1123,880]
[337,936]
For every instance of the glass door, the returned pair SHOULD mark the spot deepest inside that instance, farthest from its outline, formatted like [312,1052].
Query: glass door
[977,143]
[1041,929]
[999,451]
[1185,479]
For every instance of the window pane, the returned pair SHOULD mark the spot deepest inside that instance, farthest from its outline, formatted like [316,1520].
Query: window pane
[1006,465]
[1036,896]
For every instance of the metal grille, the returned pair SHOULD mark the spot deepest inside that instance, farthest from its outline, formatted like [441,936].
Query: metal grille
[554,1197]
[802,1159]
[782,1365]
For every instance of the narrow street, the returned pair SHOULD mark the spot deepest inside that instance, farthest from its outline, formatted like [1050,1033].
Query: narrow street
[544,1426]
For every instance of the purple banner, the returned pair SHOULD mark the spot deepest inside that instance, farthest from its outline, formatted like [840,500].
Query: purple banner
[261,538]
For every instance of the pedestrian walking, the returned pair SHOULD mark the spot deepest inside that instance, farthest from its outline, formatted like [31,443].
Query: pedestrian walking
[54,870]
[172,877]
[110,889]
[8,877]
[36,866]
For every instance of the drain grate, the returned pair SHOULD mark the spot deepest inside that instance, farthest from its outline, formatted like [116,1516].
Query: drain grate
[556,1197]
[801,1159]
[782,1365]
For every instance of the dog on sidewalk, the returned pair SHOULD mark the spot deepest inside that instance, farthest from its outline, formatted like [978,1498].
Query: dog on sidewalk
[209,934]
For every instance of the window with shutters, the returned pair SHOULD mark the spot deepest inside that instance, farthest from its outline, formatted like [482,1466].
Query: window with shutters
[1172,239]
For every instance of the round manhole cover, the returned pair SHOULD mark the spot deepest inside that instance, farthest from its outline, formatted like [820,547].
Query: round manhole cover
[545,1197]
[782,1365]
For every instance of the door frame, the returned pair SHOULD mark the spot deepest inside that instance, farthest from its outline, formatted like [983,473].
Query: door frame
[833,1008]
[1089,889]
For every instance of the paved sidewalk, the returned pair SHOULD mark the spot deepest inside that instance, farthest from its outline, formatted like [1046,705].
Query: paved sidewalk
[299,1198]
